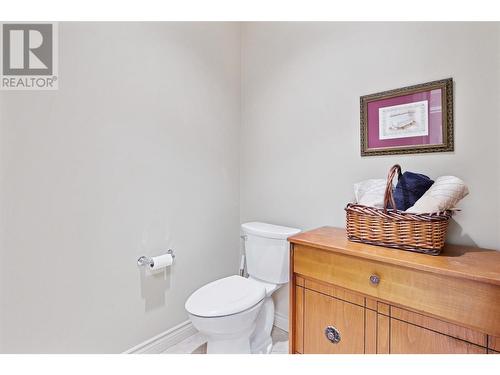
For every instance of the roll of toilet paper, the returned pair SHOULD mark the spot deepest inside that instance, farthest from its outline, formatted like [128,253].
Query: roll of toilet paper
[160,262]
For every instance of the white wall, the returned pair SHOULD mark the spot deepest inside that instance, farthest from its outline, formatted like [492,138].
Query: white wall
[136,152]
[301,84]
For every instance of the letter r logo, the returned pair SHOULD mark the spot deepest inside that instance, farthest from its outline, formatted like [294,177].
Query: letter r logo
[27,49]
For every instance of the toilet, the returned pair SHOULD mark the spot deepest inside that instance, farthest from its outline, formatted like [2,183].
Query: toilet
[235,313]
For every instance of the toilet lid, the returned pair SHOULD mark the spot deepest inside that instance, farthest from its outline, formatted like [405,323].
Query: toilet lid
[226,296]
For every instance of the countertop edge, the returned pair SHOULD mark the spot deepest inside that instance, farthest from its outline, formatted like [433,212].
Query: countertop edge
[398,262]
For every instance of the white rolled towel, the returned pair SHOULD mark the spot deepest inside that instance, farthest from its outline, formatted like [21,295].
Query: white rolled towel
[370,192]
[443,195]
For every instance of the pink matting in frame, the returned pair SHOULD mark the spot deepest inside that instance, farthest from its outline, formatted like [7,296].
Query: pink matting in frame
[435,116]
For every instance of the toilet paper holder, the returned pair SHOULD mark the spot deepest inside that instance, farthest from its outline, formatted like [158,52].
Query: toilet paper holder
[147,261]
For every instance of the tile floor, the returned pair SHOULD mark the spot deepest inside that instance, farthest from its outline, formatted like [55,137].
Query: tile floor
[197,344]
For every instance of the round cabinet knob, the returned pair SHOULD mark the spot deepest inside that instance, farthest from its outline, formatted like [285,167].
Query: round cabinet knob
[332,334]
[374,279]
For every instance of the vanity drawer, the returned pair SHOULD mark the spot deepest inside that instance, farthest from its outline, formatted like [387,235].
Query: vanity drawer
[467,302]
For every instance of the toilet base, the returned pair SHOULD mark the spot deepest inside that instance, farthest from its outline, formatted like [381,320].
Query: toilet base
[261,341]
[236,345]
[257,340]
[229,334]
[246,333]
[265,347]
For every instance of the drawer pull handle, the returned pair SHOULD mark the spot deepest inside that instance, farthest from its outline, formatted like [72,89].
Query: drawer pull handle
[374,279]
[332,334]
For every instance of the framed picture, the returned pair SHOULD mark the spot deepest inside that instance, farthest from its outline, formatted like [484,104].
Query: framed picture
[408,120]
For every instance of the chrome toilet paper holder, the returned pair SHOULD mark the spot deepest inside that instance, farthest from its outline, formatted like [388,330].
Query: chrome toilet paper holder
[148,261]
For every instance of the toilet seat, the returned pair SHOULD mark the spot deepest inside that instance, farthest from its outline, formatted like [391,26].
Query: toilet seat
[226,296]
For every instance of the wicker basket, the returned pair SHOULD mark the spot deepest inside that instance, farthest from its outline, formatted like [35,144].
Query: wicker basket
[423,233]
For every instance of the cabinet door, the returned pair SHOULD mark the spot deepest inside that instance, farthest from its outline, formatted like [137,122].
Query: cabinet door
[406,338]
[494,343]
[322,311]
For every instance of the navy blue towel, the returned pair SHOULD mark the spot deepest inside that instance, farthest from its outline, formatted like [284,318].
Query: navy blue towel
[411,186]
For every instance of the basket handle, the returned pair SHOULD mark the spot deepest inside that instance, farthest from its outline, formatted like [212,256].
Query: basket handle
[388,196]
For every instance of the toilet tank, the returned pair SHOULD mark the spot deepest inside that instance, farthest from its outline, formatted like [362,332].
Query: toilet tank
[267,251]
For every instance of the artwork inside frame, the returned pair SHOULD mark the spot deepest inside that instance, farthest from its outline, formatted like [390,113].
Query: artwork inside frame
[408,120]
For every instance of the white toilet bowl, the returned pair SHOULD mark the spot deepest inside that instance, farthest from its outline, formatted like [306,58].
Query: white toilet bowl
[236,314]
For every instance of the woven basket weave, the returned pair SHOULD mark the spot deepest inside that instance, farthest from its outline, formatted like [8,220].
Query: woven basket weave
[423,233]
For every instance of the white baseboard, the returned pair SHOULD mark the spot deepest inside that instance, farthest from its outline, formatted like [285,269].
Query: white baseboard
[281,321]
[163,341]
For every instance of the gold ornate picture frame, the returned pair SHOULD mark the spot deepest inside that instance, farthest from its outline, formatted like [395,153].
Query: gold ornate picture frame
[408,120]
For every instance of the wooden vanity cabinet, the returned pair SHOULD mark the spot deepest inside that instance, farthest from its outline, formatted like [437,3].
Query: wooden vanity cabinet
[350,298]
